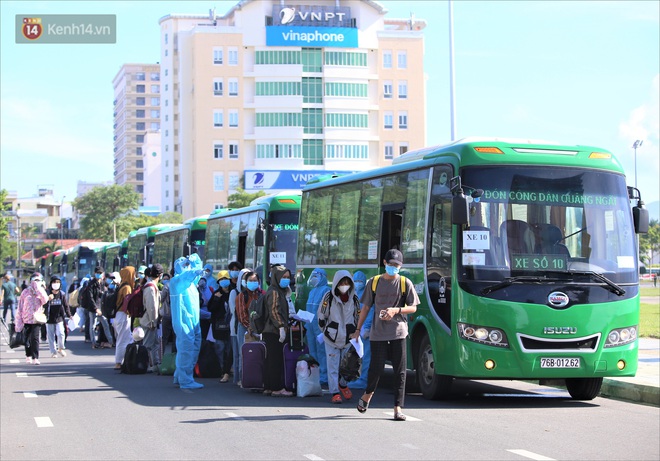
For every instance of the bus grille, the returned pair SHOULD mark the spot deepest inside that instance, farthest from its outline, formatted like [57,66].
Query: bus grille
[585,344]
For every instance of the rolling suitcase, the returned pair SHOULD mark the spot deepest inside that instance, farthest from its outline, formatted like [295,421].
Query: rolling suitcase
[292,351]
[254,360]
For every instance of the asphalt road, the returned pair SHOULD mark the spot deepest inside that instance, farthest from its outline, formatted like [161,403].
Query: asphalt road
[79,408]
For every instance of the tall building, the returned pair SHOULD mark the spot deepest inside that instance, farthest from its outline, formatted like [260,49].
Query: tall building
[136,111]
[272,94]
[153,191]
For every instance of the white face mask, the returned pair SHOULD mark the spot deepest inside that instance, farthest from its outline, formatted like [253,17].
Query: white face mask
[344,288]
[55,286]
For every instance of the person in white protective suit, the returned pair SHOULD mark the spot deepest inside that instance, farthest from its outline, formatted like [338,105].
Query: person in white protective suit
[184,303]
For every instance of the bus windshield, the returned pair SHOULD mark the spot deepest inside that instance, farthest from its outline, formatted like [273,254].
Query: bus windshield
[547,221]
[284,237]
[198,241]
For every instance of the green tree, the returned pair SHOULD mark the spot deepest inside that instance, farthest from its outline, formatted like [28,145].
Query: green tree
[103,208]
[649,244]
[240,198]
[170,217]
[7,248]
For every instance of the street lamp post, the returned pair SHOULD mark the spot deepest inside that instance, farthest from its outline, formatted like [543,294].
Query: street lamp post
[635,145]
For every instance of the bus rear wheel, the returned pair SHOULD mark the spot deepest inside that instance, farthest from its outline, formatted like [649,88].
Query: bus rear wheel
[584,388]
[432,385]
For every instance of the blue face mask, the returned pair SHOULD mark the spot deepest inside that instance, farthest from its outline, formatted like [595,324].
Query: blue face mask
[244,283]
[112,286]
[359,286]
[224,283]
[98,276]
[234,274]
[166,281]
[313,281]
[391,270]
[284,283]
[252,286]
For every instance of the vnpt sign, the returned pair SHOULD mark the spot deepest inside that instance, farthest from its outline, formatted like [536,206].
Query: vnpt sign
[282,179]
[312,36]
[305,15]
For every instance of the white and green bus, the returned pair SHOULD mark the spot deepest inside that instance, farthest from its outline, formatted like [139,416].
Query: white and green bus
[523,255]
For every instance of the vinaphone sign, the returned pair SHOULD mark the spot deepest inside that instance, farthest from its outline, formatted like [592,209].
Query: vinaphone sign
[311,26]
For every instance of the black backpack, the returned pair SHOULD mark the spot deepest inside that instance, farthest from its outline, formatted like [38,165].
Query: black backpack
[109,308]
[136,359]
[257,311]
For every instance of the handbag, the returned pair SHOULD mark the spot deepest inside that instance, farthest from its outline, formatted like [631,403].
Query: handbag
[167,364]
[40,316]
[16,338]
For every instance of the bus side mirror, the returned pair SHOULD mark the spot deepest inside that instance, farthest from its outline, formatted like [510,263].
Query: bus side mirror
[640,214]
[460,210]
[641,219]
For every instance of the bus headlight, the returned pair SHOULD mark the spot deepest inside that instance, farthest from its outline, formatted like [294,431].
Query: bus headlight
[621,336]
[483,335]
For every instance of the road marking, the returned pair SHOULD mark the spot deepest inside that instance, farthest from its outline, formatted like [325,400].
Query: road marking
[10,351]
[21,375]
[30,395]
[14,361]
[409,445]
[313,458]
[43,421]
[530,455]
[408,418]
[235,416]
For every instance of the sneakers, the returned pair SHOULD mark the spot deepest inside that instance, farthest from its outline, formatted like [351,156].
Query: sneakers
[336,398]
[282,393]
[54,356]
[62,352]
[36,362]
[28,360]
[346,392]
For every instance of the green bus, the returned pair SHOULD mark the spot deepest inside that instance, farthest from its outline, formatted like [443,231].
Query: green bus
[523,255]
[83,258]
[112,258]
[140,244]
[182,240]
[261,234]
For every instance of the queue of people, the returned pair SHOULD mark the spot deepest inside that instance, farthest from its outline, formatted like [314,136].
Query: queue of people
[176,305]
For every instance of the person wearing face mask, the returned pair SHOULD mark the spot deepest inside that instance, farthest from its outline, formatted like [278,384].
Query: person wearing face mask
[235,341]
[220,323]
[149,321]
[141,278]
[56,310]
[91,298]
[234,269]
[337,317]
[205,294]
[360,280]
[392,303]
[318,280]
[278,305]
[211,282]
[32,298]
[166,314]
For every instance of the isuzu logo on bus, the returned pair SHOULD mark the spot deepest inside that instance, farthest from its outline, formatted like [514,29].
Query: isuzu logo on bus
[558,299]
[559,330]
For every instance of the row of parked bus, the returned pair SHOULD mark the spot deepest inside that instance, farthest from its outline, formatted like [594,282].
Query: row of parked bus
[263,232]
[523,254]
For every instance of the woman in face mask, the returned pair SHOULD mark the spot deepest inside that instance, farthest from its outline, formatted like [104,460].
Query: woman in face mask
[278,303]
[220,319]
[56,310]
[337,317]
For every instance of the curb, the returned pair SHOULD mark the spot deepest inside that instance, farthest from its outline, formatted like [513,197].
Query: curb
[631,392]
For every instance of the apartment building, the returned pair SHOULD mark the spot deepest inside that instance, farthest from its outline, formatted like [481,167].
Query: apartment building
[136,112]
[273,93]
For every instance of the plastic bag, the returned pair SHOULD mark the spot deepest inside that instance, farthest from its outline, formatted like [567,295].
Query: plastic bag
[16,338]
[309,379]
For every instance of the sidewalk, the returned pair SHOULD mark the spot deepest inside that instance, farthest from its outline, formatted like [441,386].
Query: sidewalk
[645,386]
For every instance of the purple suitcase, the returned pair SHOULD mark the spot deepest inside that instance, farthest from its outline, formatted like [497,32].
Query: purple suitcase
[292,350]
[254,360]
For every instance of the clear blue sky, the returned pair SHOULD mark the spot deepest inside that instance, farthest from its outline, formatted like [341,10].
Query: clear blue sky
[571,72]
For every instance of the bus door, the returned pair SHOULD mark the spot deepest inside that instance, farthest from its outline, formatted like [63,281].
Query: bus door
[391,228]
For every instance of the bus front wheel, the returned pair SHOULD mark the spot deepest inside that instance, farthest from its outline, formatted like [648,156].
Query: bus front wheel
[584,388]
[432,385]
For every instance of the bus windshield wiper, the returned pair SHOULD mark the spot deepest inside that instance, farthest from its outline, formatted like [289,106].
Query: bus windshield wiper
[610,285]
[521,278]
